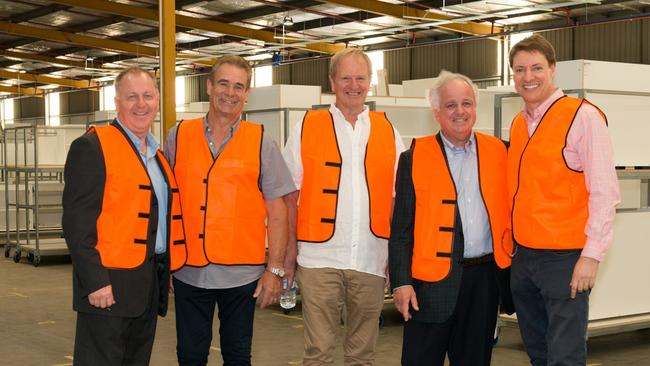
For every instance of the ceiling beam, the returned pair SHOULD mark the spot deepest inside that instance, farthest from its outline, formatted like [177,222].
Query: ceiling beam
[402,11]
[17,90]
[42,79]
[194,23]
[46,59]
[26,16]
[77,39]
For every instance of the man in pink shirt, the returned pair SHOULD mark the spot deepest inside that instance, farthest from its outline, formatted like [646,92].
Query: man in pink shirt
[564,192]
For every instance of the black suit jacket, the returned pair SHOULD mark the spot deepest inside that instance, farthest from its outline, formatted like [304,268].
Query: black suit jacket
[133,289]
[436,300]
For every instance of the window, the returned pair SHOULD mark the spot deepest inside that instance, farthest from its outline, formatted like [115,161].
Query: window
[377,60]
[262,76]
[8,111]
[180,90]
[53,109]
[107,98]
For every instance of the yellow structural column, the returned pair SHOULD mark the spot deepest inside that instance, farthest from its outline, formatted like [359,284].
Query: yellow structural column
[167,30]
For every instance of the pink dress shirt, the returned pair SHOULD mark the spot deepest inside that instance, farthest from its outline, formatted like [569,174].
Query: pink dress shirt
[589,149]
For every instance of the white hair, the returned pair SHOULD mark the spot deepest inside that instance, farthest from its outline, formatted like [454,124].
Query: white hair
[433,94]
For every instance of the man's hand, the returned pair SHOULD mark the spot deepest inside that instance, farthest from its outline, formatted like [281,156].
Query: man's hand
[404,296]
[584,275]
[269,286]
[102,298]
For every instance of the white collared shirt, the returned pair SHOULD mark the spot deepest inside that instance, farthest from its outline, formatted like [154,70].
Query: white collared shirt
[352,246]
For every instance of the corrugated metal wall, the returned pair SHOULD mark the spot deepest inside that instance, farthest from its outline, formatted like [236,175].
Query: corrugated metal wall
[477,59]
[620,42]
[83,101]
[427,61]
[398,65]
[313,72]
[282,74]
[29,107]
[562,41]
[192,89]
[203,87]
[645,41]
[625,41]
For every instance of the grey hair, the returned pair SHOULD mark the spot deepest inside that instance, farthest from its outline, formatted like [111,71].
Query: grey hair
[433,94]
[340,55]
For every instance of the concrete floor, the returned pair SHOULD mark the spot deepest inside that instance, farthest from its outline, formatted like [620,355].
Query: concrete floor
[37,328]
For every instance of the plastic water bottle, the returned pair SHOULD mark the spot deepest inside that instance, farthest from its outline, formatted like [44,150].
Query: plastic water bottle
[288,296]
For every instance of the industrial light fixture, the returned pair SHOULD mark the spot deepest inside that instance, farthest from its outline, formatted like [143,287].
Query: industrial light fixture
[287,21]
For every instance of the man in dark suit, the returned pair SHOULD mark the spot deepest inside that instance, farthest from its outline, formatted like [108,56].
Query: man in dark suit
[122,224]
[450,234]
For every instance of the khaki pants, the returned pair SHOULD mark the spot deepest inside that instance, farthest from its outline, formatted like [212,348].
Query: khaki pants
[325,291]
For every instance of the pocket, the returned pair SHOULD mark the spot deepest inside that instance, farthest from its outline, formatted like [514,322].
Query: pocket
[557,270]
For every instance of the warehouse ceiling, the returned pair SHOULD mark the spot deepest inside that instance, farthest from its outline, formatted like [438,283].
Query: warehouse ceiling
[73,44]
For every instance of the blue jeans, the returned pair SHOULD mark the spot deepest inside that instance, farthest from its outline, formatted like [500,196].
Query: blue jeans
[194,316]
[553,326]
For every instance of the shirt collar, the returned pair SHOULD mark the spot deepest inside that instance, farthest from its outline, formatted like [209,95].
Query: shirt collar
[541,109]
[470,145]
[363,116]
[152,144]
[233,128]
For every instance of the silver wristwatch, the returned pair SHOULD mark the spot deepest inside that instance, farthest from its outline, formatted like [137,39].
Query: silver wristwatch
[276,271]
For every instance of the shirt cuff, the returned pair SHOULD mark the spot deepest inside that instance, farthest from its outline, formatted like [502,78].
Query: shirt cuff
[594,249]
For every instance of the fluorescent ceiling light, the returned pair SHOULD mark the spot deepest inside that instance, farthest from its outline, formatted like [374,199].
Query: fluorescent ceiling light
[288,38]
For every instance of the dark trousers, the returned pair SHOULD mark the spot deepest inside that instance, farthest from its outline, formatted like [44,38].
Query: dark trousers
[468,335]
[553,326]
[103,340]
[194,315]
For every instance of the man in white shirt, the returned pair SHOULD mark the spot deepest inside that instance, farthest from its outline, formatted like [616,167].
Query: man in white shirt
[343,163]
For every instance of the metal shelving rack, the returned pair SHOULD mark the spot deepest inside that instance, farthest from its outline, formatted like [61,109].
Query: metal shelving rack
[31,238]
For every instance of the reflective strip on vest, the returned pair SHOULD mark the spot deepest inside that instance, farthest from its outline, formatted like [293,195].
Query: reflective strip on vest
[549,199]
[223,208]
[436,205]
[122,226]
[321,161]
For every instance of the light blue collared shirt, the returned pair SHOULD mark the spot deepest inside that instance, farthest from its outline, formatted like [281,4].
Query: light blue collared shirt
[157,180]
[463,164]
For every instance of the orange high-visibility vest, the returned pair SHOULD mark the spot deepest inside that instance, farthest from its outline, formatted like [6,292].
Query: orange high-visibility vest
[436,204]
[223,207]
[321,161]
[549,199]
[122,226]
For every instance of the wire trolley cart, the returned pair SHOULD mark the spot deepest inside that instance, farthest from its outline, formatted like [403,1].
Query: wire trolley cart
[33,193]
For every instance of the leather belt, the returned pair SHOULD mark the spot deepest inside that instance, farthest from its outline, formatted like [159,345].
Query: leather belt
[478,260]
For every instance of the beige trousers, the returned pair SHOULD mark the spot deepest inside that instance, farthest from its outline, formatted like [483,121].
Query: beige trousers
[324,294]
